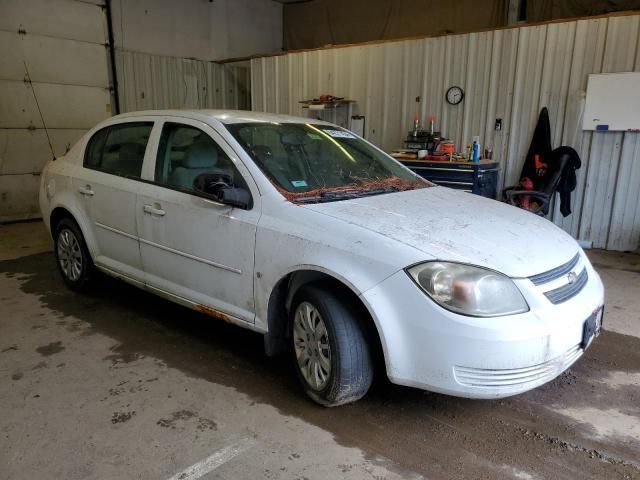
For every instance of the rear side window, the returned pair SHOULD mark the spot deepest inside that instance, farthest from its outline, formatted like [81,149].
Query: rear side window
[119,149]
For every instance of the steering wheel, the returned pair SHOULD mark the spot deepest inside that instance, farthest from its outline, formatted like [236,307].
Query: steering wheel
[213,183]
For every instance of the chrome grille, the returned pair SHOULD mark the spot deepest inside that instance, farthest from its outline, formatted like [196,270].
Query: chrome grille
[541,373]
[555,273]
[564,282]
[565,292]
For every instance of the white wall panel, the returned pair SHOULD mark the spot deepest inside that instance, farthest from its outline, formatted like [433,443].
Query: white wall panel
[500,95]
[588,51]
[17,197]
[70,19]
[604,157]
[478,77]
[207,30]
[26,151]
[62,42]
[508,74]
[76,63]
[525,108]
[624,229]
[148,82]
[62,106]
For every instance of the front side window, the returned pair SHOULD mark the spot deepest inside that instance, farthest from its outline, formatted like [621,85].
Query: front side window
[119,149]
[311,163]
[190,160]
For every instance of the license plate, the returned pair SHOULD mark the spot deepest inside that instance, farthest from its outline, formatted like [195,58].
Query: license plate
[592,327]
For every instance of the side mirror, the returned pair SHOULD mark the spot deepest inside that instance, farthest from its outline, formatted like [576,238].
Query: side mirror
[220,186]
[236,197]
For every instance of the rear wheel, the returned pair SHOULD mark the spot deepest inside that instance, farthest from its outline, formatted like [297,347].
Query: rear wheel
[72,255]
[330,351]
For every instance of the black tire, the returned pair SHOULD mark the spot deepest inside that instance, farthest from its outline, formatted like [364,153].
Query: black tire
[80,279]
[351,360]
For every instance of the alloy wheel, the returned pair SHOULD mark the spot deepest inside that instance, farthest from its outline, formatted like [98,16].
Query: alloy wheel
[312,348]
[69,254]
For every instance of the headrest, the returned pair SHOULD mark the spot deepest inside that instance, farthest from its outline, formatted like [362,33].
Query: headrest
[201,155]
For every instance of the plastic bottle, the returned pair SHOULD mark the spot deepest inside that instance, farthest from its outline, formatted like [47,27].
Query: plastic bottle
[476,149]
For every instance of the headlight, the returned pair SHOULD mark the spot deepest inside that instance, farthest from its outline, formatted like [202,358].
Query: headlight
[469,290]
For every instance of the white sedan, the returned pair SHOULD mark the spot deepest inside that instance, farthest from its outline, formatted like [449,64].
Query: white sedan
[336,253]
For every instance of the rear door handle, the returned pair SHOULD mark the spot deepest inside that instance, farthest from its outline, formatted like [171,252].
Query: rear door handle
[86,191]
[150,209]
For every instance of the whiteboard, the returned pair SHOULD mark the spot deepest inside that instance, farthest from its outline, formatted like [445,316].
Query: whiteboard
[613,102]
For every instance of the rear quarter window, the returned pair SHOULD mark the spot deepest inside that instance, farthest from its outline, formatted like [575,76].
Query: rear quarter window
[119,149]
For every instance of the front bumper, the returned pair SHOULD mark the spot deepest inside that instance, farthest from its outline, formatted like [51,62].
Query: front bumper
[428,347]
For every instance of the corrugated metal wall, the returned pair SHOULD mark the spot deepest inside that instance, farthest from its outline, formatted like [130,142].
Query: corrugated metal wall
[509,74]
[62,43]
[155,82]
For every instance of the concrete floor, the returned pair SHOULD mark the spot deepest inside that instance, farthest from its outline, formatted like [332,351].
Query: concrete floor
[117,383]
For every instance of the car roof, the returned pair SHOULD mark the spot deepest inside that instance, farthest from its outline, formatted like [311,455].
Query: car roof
[224,116]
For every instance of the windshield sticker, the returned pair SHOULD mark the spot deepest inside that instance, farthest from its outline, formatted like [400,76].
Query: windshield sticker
[339,134]
[298,183]
[314,136]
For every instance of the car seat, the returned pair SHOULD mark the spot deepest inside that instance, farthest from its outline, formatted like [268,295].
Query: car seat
[201,157]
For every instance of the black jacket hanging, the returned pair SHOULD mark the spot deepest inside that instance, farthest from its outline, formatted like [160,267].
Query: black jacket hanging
[568,179]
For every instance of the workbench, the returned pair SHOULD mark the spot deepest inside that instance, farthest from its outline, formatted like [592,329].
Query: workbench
[480,177]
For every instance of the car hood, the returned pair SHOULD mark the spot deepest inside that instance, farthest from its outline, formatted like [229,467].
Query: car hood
[450,225]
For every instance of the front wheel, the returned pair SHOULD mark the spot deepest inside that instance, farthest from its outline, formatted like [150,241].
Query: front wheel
[330,349]
[72,255]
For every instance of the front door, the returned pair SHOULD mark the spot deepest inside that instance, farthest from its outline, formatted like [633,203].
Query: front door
[192,246]
[107,186]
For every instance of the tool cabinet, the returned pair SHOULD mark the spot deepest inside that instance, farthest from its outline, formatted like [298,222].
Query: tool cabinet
[480,178]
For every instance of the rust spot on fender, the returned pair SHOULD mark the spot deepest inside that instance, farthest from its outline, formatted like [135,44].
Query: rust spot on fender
[212,312]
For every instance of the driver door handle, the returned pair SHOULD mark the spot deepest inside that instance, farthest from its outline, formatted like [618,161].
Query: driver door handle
[150,209]
[86,191]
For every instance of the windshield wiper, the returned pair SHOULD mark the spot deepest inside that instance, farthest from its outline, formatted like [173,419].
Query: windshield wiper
[337,195]
[326,197]
[357,193]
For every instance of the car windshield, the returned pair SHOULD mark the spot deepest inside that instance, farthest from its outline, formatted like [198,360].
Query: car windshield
[316,163]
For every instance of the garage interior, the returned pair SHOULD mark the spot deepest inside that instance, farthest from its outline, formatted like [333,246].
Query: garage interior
[118,383]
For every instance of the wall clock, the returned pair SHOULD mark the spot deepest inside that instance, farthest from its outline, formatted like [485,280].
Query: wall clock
[454,95]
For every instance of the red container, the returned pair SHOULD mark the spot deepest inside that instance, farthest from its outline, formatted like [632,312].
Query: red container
[447,148]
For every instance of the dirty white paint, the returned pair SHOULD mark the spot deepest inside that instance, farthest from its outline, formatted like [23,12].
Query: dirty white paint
[62,43]
[508,74]
[606,423]
[366,243]
[217,459]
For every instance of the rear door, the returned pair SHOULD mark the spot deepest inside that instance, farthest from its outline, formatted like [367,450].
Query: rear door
[107,186]
[192,246]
